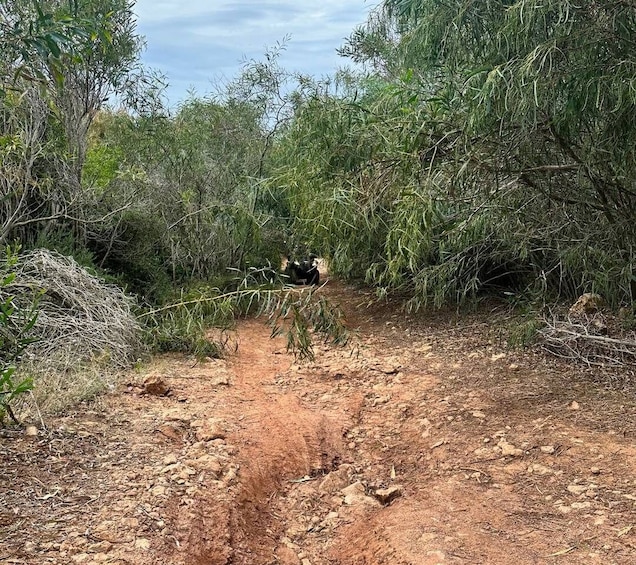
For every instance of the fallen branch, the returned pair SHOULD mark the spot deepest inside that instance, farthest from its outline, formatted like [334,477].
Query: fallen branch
[577,340]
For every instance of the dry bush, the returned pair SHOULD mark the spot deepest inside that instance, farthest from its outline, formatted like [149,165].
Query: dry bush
[86,330]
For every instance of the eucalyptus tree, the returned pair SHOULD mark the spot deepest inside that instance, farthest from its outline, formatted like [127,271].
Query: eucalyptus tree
[209,160]
[188,178]
[558,77]
[33,39]
[99,67]
[81,53]
[32,36]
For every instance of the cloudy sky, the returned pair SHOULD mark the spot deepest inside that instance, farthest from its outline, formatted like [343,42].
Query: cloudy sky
[201,42]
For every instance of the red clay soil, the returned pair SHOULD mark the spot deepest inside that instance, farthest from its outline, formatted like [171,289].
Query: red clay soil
[426,442]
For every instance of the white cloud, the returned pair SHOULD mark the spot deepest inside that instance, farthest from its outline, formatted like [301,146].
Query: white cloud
[195,43]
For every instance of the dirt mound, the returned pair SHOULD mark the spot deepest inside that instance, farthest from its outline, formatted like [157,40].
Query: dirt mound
[428,442]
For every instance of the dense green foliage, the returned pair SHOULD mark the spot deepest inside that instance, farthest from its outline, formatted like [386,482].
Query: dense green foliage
[491,146]
[187,184]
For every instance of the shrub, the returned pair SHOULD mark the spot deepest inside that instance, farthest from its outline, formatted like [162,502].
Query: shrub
[16,328]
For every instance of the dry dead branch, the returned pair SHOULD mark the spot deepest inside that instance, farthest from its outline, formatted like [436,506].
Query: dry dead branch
[578,339]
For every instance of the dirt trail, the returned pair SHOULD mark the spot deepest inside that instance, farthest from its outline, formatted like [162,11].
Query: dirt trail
[427,443]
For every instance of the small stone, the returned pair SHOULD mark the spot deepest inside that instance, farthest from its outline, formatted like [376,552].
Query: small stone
[354,488]
[509,449]
[186,472]
[101,547]
[223,380]
[577,489]
[170,459]
[158,490]
[588,303]
[574,405]
[356,494]
[210,430]
[209,463]
[336,480]
[171,432]
[478,414]
[230,476]
[30,547]
[142,543]
[130,523]
[595,471]
[155,386]
[31,431]
[513,367]
[535,468]
[387,495]
[380,400]
[549,449]
[170,468]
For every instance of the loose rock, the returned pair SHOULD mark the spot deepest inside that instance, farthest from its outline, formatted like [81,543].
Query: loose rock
[355,494]
[588,303]
[155,386]
[577,489]
[509,449]
[209,430]
[388,495]
[336,480]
